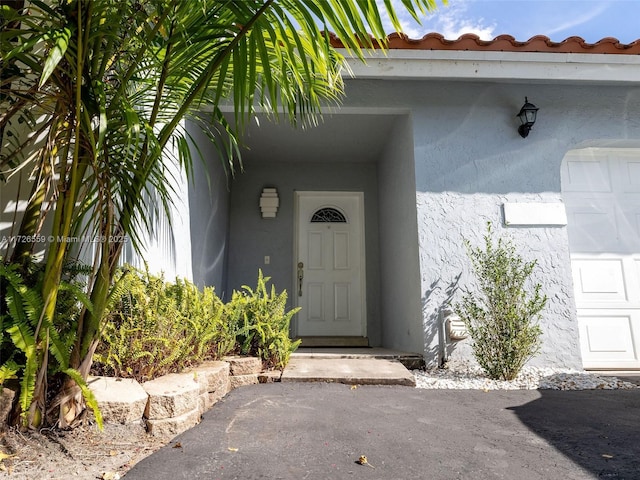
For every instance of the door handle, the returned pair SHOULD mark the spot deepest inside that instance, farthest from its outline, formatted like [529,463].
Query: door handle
[300,277]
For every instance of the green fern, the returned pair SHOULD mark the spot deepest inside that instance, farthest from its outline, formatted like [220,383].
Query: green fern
[265,327]
[24,306]
[36,342]
[156,327]
[22,337]
[8,371]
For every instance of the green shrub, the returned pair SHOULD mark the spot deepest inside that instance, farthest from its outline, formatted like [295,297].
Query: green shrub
[156,327]
[501,317]
[260,323]
[31,345]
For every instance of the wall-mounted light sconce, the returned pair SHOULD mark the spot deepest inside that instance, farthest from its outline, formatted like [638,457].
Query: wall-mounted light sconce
[527,117]
[269,202]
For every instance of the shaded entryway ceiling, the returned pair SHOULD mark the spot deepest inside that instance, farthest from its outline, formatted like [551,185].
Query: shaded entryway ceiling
[336,138]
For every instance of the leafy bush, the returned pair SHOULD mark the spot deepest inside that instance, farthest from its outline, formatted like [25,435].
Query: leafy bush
[31,345]
[156,327]
[260,323]
[502,316]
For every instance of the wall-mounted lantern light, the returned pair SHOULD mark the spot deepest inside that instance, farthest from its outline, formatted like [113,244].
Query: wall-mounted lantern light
[527,117]
[269,202]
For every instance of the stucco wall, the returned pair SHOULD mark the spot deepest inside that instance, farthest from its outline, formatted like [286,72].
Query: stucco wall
[251,237]
[166,247]
[14,194]
[399,270]
[11,208]
[469,159]
[446,218]
[462,184]
[209,205]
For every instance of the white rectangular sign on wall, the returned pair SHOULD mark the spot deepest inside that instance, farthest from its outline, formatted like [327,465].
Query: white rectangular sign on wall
[534,214]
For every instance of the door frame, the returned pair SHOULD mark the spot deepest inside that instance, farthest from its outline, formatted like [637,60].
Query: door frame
[328,194]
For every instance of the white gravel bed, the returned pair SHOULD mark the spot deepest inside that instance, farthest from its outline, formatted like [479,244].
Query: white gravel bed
[530,378]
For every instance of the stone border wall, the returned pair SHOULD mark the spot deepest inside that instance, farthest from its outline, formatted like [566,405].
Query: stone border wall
[172,403]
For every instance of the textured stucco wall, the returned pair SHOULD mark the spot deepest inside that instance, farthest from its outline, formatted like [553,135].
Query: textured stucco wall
[15,190]
[251,237]
[445,219]
[12,205]
[209,221]
[166,247]
[399,270]
[469,159]
[462,184]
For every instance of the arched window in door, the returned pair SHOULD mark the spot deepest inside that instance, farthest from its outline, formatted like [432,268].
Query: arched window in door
[328,215]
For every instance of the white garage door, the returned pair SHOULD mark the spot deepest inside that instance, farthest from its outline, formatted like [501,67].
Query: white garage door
[601,190]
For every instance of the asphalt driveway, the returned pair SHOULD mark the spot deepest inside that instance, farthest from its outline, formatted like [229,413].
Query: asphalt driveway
[319,430]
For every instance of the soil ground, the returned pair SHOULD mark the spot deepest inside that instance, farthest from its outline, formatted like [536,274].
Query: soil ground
[81,453]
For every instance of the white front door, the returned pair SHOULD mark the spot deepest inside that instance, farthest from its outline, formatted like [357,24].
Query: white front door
[330,264]
[601,190]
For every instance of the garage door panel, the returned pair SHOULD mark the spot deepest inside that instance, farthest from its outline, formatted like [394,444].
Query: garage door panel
[598,280]
[592,226]
[628,222]
[607,337]
[630,176]
[586,176]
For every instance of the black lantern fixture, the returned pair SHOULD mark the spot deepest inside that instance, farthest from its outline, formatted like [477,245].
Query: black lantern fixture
[527,117]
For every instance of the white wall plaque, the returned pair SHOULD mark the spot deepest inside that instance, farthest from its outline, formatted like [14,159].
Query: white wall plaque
[534,214]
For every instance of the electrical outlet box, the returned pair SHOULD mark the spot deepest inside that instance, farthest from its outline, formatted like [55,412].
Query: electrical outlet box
[456,328]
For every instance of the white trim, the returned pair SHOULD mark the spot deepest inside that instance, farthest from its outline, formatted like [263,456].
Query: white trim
[539,67]
[327,110]
[363,270]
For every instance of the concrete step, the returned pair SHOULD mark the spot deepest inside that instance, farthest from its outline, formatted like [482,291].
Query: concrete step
[354,371]
[411,361]
[319,341]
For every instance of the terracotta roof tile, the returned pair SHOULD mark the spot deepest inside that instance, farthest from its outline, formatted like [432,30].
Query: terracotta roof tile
[507,43]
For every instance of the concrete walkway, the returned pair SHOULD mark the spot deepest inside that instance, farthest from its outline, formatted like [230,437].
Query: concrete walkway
[356,366]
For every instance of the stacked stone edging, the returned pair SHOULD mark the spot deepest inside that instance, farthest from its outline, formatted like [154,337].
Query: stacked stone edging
[175,402]
[178,400]
[239,366]
[121,400]
[172,403]
[213,379]
[7,396]
[246,371]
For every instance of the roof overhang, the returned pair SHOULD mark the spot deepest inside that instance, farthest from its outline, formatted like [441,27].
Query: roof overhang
[493,66]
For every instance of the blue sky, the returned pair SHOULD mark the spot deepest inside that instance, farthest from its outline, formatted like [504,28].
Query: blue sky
[557,19]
